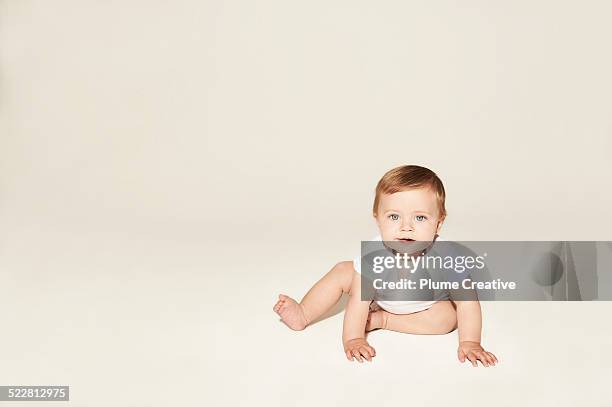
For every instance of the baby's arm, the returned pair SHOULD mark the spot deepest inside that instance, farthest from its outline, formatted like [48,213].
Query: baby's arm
[469,323]
[355,319]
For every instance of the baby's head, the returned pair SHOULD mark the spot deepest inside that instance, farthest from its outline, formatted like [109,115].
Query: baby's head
[409,204]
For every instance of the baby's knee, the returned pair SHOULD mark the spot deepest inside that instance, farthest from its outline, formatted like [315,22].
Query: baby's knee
[450,324]
[345,272]
[446,320]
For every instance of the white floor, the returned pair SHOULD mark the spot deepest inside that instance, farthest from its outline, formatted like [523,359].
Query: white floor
[168,168]
[142,318]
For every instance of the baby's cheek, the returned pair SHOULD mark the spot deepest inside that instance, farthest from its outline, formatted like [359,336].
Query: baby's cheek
[387,235]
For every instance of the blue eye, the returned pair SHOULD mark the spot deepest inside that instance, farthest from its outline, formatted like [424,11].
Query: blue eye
[421,216]
[392,216]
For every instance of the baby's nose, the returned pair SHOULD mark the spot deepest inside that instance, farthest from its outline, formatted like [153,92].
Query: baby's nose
[407,225]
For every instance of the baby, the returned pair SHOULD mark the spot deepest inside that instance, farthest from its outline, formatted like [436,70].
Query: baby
[409,205]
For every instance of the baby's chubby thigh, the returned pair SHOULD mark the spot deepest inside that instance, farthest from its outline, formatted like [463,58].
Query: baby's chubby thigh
[440,318]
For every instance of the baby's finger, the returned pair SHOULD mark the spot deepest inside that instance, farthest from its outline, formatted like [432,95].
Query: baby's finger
[490,358]
[494,357]
[461,355]
[481,357]
[484,358]
[487,358]
[472,358]
[367,350]
[357,356]
[372,351]
[363,351]
[348,355]
[364,354]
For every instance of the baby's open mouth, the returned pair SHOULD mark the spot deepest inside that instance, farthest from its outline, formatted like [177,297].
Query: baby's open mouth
[406,240]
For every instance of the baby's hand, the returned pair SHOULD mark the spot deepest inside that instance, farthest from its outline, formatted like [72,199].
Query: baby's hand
[357,348]
[473,351]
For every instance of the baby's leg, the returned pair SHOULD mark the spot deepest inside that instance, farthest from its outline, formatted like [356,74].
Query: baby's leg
[441,318]
[319,299]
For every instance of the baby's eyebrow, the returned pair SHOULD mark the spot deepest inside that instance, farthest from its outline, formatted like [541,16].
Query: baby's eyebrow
[395,210]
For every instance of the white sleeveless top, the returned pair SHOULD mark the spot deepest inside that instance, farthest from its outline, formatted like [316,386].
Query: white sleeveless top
[397,307]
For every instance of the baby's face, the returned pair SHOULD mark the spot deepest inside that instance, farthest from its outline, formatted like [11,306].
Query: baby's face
[412,215]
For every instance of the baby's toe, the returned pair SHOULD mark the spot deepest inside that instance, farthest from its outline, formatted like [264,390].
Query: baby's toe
[282,308]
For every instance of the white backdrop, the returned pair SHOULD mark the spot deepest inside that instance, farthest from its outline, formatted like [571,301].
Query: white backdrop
[145,143]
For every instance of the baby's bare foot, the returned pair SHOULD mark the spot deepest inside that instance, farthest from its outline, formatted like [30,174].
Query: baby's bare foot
[291,312]
[376,320]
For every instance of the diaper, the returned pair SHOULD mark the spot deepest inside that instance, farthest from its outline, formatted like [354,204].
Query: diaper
[401,307]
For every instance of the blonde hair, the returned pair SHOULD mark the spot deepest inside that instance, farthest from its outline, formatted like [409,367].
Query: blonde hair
[410,177]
